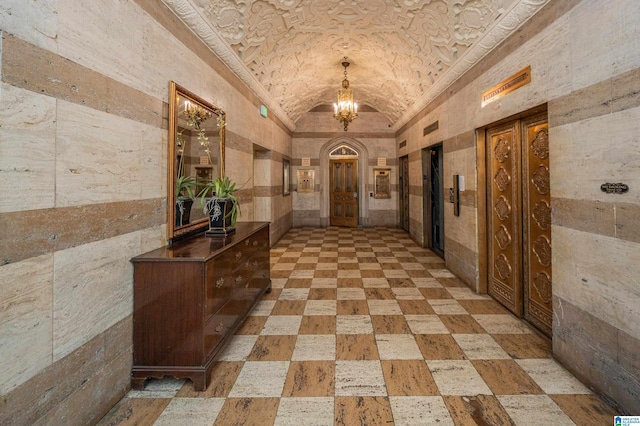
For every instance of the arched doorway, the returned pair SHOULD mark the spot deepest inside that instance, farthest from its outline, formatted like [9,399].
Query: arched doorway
[358,154]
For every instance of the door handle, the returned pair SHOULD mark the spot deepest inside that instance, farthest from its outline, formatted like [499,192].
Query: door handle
[355,195]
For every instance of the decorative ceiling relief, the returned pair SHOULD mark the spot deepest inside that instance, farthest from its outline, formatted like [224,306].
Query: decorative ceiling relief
[403,53]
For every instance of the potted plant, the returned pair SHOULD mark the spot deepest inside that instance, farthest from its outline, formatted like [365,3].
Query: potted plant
[222,206]
[184,198]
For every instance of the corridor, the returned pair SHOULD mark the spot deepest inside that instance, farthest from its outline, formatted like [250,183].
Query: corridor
[364,327]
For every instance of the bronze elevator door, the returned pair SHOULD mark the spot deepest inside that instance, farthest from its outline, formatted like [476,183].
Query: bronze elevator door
[344,193]
[519,221]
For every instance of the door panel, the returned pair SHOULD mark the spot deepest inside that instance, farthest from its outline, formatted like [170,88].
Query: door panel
[344,192]
[537,224]
[404,192]
[503,175]
[519,220]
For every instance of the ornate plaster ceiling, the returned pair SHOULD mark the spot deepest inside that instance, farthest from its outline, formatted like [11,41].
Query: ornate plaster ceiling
[403,53]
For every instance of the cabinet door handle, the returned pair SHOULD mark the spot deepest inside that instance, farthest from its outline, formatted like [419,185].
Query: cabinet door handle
[254,264]
[238,279]
[238,255]
[255,243]
[219,328]
[246,242]
[220,283]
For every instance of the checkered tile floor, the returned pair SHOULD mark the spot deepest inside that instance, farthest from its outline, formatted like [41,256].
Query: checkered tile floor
[364,327]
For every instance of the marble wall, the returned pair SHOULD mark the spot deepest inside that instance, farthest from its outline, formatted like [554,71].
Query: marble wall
[590,81]
[83,165]
[317,133]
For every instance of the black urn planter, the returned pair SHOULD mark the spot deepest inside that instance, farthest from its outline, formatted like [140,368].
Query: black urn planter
[183,211]
[219,210]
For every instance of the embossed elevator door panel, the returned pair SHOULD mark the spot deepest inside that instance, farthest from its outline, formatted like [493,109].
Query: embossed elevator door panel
[519,221]
[505,226]
[344,193]
[537,224]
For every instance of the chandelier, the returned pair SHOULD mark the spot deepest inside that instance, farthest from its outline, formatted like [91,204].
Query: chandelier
[345,110]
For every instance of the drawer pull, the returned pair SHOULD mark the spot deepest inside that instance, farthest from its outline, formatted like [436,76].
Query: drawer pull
[220,283]
[254,263]
[238,255]
[255,243]
[219,328]
[238,279]
[246,242]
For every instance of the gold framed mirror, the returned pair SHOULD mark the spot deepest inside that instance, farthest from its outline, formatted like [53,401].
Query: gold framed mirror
[196,157]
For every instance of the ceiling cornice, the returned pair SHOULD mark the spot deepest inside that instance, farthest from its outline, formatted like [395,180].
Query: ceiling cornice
[519,13]
[186,11]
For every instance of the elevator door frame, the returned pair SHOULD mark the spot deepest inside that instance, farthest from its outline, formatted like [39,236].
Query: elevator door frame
[482,211]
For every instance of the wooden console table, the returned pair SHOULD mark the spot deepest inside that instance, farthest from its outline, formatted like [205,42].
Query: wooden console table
[191,297]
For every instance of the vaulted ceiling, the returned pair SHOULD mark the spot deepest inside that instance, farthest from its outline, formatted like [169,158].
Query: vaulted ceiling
[403,53]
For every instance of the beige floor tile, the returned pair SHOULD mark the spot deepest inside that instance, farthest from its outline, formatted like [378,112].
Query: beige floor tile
[447,307]
[426,324]
[263,308]
[477,410]
[315,347]
[426,282]
[282,324]
[419,410]
[370,411]
[272,348]
[408,378]
[318,324]
[533,410]
[192,411]
[480,346]
[356,347]
[248,411]
[401,293]
[316,411]
[350,294]
[457,378]
[238,348]
[502,324]
[354,324]
[375,283]
[260,379]
[359,378]
[441,273]
[395,273]
[294,294]
[390,324]
[398,346]
[384,307]
[552,377]
[310,378]
[324,283]
[320,307]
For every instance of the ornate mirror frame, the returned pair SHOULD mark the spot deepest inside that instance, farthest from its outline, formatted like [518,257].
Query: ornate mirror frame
[192,123]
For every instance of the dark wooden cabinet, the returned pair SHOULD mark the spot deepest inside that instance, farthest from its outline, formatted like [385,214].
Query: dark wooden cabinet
[188,300]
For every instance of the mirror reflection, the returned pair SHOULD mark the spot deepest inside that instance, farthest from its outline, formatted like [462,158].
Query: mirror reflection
[196,158]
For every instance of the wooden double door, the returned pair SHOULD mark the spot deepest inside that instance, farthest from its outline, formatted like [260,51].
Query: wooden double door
[519,219]
[343,181]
